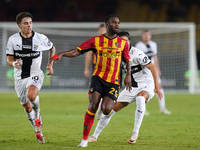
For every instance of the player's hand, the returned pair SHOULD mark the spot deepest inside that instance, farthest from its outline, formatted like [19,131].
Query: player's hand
[159,93]
[87,73]
[49,67]
[56,57]
[127,82]
[16,63]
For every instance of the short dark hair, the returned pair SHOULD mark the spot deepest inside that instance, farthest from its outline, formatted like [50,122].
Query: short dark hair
[124,33]
[145,30]
[109,16]
[22,15]
[101,25]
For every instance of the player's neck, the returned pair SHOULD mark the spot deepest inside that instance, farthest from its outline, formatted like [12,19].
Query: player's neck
[28,35]
[146,42]
[110,35]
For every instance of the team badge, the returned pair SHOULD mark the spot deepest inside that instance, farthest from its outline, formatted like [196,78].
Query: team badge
[91,89]
[116,44]
[145,59]
[35,47]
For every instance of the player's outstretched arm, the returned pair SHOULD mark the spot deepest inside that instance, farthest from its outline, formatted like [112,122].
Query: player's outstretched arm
[50,65]
[127,79]
[154,72]
[70,53]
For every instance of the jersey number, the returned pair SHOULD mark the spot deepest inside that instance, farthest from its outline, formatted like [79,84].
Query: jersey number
[114,92]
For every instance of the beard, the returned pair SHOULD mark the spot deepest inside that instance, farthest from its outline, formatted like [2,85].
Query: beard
[111,29]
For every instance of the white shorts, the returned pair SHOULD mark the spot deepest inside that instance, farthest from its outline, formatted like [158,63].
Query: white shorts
[130,96]
[21,85]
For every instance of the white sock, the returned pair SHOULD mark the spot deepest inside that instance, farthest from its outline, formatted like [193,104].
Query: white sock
[36,106]
[102,123]
[139,113]
[162,101]
[31,117]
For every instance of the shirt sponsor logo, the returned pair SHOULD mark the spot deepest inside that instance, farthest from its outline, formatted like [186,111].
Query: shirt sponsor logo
[26,46]
[110,55]
[27,55]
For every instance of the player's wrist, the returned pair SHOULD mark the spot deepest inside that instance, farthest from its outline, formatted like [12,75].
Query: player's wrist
[13,63]
[55,56]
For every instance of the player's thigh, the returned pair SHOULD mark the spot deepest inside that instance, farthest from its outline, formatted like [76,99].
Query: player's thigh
[147,92]
[96,85]
[107,105]
[20,88]
[36,80]
[127,96]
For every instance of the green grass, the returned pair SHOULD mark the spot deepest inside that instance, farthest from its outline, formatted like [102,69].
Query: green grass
[63,116]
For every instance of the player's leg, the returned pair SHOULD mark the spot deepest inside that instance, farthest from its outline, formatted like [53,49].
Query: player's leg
[125,97]
[139,114]
[34,85]
[94,99]
[161,103]
[99,113]
[105,120]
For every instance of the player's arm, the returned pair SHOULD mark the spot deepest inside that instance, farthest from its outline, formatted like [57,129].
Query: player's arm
[11,62]
[157,64]
[127,79]
[88,57]
[50,64]
[154,72]
[70,53]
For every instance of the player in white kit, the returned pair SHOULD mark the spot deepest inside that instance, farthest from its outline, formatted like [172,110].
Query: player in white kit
[149,47]
[24,53]
[143,88]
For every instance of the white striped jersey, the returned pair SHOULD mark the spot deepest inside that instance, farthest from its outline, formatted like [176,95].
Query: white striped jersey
[30,52]
[150,50]
[140,75]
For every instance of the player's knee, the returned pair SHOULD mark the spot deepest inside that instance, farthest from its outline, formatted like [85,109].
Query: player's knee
[106,110]
[31,96]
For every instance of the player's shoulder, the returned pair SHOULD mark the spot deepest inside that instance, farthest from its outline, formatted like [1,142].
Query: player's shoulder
[152,42]
[135,51]
[16,35]
[39,35]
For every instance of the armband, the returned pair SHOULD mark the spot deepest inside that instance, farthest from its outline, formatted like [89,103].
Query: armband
[55,57]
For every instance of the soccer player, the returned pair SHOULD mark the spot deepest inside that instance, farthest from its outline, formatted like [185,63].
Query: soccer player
[149,47]
[101,30]
[24,53]
[143,88]
[109,49]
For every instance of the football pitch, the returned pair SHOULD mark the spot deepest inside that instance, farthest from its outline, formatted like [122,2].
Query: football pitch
[63,116]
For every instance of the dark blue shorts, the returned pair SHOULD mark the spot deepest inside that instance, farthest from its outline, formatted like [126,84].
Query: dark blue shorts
[105,88]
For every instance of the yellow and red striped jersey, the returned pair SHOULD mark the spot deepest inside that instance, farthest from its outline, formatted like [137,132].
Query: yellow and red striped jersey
[109,54]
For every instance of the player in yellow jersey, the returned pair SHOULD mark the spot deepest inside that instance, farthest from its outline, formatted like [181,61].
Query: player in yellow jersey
[109,49]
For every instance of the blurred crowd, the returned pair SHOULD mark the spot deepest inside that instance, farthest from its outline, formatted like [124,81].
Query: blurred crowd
[59,10]
[86,10]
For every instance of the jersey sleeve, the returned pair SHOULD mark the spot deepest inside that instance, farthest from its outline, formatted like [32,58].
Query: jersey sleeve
[9,48]
[87,46]
[125,52]
[143,59]
[46,43]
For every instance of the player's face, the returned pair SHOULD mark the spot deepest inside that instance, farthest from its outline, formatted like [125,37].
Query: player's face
[146,36]
[126,38]
[114,25]
[26,25]
[101,30]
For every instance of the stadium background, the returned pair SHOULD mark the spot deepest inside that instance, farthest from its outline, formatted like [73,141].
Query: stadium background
[95,11]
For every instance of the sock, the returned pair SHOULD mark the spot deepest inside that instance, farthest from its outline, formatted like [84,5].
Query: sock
[139,113]
[102,123]
[88,122]
[36,106]
[31,117]
[162,101]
